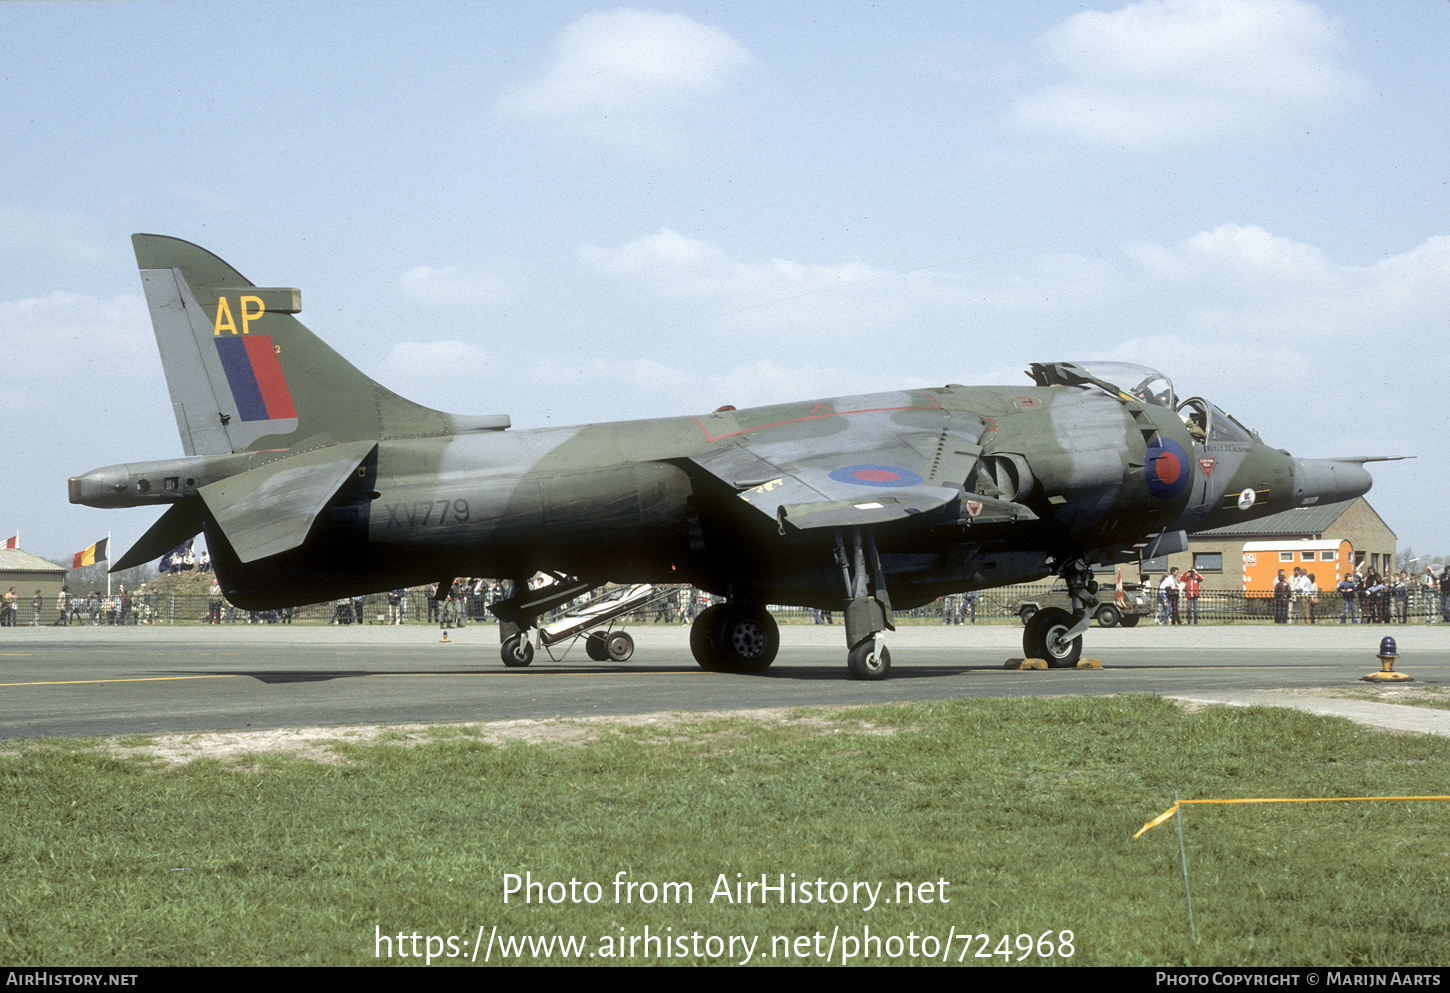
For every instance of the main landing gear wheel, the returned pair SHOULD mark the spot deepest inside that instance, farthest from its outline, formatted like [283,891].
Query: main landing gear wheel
[1042,639]
[728,637]
[749,639]
[517,652]
[704,637]
[596,646]
[865,662]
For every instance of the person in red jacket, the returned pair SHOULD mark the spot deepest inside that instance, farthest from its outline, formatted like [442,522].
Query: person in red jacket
[1192,580]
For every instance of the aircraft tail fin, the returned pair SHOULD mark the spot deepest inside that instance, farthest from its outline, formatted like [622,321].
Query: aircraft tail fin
[245,374]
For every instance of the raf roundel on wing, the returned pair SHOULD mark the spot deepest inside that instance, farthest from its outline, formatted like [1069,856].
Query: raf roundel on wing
[876,475]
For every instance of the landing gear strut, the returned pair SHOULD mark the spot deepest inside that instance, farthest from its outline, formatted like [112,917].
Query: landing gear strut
[868,608]
[518,615]
[1055,634]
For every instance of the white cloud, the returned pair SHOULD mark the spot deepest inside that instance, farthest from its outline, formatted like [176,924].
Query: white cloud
[621,75]
[82,387]
[64,235]
[1246,250]
[445,374]
[566,386]
[70,344]
[1168,72]
[1260,284]
[670,264]
[674,389]
[476,285]
[849,297]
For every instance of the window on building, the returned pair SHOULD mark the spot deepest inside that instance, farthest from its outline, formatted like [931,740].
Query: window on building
[1208,561]
[1328,556]
[1306,556]
[1286,556]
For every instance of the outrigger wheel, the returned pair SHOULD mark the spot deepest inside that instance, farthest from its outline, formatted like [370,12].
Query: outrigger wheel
[865,661]
[517,652]
[729,637]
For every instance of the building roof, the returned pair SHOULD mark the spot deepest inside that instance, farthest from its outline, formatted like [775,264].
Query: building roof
[17,560]
[1287,523]
[1300,544]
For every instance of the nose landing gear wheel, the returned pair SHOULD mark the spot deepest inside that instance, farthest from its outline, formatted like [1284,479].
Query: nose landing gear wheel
[1042,639]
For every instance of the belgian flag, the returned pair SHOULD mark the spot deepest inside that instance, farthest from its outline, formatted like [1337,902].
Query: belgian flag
[96,553]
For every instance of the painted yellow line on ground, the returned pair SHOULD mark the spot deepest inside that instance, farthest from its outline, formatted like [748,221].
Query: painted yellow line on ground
[1281,799]
[138,679]
[545,672]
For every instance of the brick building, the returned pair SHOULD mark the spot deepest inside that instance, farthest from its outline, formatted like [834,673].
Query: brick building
[27,573]
[1219,554]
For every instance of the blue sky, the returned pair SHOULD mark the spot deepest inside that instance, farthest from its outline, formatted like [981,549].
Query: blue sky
[571,213]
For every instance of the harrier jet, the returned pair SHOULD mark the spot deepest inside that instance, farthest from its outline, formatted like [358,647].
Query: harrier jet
[312,482]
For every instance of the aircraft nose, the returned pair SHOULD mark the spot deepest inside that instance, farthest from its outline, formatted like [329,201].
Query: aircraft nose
[1329,481]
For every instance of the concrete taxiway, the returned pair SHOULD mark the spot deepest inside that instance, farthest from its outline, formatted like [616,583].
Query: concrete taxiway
[83,681]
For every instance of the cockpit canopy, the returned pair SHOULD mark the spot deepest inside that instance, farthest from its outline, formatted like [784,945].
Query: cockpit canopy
[1127,379]
[1130,381]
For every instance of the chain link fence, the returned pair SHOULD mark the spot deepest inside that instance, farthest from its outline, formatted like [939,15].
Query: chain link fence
[1000,606]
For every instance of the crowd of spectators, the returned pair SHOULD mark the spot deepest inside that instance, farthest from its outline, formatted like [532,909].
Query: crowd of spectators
[1364,597]
[1369,598]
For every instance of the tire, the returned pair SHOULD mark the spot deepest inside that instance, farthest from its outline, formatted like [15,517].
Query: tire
[517,652]
[705,637]
[1027,613]
[1037,642]
[619,647]
[596,646]
[749,639]
[1108,616]
[1131,620]
[865,663]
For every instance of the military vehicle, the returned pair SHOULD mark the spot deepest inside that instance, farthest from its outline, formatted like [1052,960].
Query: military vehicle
[312,481]
[1112,612]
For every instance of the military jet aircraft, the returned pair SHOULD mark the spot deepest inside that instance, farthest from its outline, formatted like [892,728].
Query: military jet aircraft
[314,482]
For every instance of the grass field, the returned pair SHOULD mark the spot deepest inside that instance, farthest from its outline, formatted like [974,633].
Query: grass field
[994,819]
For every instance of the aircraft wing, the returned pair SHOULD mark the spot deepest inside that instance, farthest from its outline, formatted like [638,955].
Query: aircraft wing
[867,468]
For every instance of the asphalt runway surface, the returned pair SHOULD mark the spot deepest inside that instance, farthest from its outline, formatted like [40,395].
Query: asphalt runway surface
[94,681]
